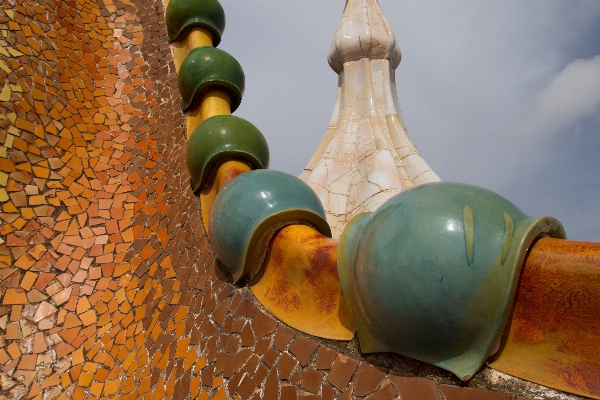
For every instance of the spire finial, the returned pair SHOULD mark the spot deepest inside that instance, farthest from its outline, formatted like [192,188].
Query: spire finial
[363,32]
[366,156]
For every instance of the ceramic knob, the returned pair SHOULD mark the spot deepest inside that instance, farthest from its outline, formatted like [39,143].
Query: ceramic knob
[432,273]
[207,67]
[251,208]
[221,137]
[182,15]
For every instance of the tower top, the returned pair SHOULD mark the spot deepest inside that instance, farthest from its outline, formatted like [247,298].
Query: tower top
[366,155]
[363,32]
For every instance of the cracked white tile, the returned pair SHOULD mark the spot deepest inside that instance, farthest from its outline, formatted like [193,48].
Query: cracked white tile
[366,155]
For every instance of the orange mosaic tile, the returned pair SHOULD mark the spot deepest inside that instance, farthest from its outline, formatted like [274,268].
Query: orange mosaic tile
[108,285]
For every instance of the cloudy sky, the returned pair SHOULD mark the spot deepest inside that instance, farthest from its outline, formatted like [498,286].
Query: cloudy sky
[500,94]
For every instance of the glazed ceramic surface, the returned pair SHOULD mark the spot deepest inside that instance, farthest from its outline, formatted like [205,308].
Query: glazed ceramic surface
[181,15]
[366,155]
[248,211]
[432,273]
[221,137]
[299,283]
[555,327]
[207,67]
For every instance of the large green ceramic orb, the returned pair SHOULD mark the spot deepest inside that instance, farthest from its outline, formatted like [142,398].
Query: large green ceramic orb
[182,15]
[221,137]
[251,208]
[432,273]
[206,67]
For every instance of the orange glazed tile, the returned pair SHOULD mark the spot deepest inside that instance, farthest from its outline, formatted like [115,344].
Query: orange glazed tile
[15,296]
[552,341]
[286,289]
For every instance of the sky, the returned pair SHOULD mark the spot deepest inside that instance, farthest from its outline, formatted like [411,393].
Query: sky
[502,94]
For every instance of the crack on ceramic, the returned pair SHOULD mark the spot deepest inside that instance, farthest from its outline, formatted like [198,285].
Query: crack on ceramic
[366,155]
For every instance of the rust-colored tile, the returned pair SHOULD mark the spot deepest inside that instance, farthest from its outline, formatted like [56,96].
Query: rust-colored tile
[262,345]
[246,309]
[328,393]
[458,393]
[260,374]
[283,337]
[234,383]
[303,348]
[247,336]
[341,372]
[289,392]
[28,362]
[262,325]
[240,358]
[311,380]
[367,379]
[271,386]
[285,365]
[325,358]
[413,387]
[246,387]
[270,357]
[387,392]
[310,397]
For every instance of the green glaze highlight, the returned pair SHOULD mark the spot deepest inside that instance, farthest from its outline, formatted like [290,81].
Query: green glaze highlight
[182,15]
[207,67]
[469,229]
[253,206]
[414,288]
[221,137]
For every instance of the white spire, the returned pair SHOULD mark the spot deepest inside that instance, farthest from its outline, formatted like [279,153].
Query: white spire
[366,156]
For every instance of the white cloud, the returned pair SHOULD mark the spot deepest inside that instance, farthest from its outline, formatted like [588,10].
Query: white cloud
[573,94]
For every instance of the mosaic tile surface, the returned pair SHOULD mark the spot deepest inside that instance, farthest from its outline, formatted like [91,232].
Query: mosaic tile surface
[108,285]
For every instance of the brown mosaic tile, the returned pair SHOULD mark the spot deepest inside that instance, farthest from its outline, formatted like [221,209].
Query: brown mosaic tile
[455,393]
[246,387]
[108,285]
[283,336]
[270,357]
[342,370]
[262,325]
[247,336]
[289,393]
[388,392]
[311,380]
[271,386]
[303,348]
[413,387]
[286,365]
[327,393]
[367,379]
[325,357]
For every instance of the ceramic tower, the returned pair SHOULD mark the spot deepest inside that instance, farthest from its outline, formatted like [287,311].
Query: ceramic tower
[366,155]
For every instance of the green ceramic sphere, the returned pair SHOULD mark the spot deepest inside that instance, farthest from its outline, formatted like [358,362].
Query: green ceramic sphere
[251,207]
[220,137]
[432,273]
[182,15]
[206,67]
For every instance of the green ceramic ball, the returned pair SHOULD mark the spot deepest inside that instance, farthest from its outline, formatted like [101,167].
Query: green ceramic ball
[250,206]
[207,68]
[432,273]
[182,15]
